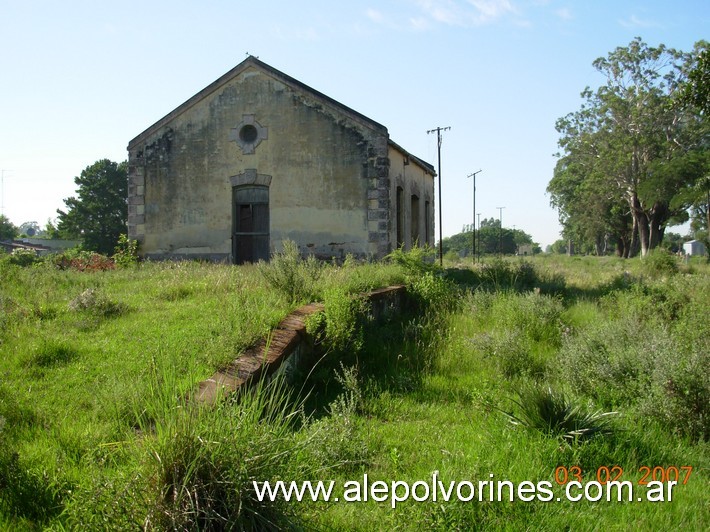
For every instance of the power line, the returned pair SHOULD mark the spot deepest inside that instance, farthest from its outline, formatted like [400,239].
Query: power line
[474,211]
[478,214]
[438,142]
[500,230]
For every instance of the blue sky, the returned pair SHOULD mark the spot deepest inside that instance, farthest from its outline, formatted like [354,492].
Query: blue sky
[79,79]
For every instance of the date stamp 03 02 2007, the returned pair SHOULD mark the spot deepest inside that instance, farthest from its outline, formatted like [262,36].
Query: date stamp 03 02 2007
[564,474]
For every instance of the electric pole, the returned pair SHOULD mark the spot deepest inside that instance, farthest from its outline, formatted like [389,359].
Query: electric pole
[500,230]
[438,142]
[474,211]
[479,236]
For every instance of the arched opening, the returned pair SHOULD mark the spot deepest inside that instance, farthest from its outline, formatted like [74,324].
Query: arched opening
[400,216]
[250,223]
[415,221]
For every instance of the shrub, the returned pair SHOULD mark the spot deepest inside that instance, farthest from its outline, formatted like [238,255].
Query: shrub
[337,442]
[662,301]
[338,327]
[537,317]
[511,354]
[660,263]
[24,257]
[498,273]
[553,413]
[431,291]
[291,275]
[522,328]
[207,460]
[680,394]
[657,366]
[95,303]
[126,252]
[83,261]
[612,361]
[416,261]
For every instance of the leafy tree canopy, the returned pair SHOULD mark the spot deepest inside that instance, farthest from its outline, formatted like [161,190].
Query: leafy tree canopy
[630,155]
[696,91]
[98,215]
[7,230]
[29,228]
[50,230]
[490,240]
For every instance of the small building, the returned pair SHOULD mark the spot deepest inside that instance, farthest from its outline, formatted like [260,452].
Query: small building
[54,245]
[9,246]
[694,247]
[525,250]
[41,246]
[257,158]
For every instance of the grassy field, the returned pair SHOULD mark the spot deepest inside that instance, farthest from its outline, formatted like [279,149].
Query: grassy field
[95,432]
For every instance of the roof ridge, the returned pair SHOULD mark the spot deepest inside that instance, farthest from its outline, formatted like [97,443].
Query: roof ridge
[233,73]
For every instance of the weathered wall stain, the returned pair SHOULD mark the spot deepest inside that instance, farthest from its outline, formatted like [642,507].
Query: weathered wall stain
[334,172]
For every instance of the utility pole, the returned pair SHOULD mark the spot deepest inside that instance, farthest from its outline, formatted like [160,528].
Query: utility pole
[438,131]
[474,211]
[500,230]
[479,236]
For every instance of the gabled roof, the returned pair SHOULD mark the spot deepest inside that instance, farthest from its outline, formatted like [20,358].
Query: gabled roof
[253,62]
[425,165]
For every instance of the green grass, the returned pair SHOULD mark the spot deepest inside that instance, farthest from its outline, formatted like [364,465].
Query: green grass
[95,433]
[435,394]
[82,350]
[451,422]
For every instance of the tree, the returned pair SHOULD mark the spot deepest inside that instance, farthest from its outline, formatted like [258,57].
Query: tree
[594,221]
[490,238]
[50,230]
[696,90]
[558,246]
[7,230]
[628,153]
[99,215]
[29,228]
[673,242]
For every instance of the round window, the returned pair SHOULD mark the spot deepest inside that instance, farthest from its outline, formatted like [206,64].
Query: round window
[248,133]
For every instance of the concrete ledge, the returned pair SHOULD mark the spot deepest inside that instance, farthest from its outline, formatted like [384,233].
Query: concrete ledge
[289,338]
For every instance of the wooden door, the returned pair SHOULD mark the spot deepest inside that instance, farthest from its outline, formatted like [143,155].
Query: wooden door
[250,215]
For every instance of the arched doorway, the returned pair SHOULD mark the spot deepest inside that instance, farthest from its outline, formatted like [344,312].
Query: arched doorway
[250,223]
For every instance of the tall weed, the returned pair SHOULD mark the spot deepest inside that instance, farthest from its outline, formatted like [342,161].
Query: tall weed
[339,327]
[554,413]
[415,262]
[96,303]
[205,462]
[296,278]
[521,330]
[126,252]
[660,263]
[611,361]
[679,395]
[431,292]
[649,352]
[336,439]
